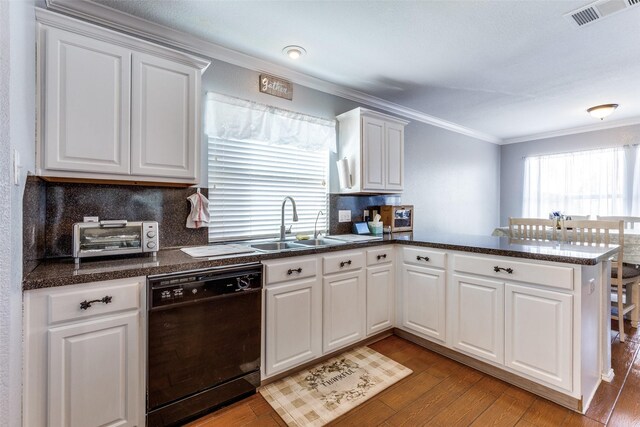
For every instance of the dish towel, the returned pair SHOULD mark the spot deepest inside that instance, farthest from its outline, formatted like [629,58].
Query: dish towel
[199,215]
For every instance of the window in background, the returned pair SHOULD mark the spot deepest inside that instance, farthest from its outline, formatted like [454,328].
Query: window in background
[594,182]
[257,155]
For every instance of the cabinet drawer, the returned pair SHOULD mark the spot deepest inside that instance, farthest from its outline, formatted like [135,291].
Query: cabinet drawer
[342,261]
[383,255]
[289,269]
[417,256]
[543,274]
[66,305]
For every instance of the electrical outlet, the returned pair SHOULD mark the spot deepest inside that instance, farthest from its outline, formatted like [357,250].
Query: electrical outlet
[365,214]
[344,216]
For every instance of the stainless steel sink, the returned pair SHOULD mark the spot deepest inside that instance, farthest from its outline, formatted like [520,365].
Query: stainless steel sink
[319,242]
[274,246]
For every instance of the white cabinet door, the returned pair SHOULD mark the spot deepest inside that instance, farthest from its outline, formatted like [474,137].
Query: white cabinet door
[343,309]
[373,154]
[86,111]
[165,118]
[478,317]
[394,159]
[293,321]
[94,373]
[380,301]
[423,296]
[538,334]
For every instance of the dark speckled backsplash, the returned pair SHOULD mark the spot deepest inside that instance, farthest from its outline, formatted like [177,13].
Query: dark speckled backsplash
[67,203]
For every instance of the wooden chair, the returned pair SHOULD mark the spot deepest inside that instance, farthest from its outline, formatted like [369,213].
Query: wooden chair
[625,279]
[533,229]
[630,222]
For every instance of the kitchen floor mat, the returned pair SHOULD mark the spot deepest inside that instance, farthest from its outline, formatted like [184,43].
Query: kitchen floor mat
[320,394]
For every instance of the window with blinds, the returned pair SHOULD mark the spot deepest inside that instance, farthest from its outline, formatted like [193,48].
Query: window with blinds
[248,181]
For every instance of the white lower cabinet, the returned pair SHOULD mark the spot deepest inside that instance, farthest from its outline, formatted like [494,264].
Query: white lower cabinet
[423,296]
[84,367]
[539,334]
[293,319]
[343,309]
[478,317]
[380,290]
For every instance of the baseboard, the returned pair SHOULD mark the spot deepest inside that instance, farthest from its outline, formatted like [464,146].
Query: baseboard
[608,377]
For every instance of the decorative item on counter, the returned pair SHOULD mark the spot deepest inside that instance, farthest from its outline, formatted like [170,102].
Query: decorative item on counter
[375,226]
[558,216]
[199,215]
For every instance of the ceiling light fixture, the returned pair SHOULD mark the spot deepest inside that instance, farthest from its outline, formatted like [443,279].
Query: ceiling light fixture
[293,51]
[602,111]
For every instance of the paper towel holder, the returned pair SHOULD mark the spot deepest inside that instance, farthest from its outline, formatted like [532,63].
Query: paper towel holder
[344,174]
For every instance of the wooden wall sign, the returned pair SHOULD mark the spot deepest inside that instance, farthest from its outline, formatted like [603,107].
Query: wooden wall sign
[276,86]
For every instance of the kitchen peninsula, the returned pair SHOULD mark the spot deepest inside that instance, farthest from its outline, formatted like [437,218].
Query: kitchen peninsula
[533,315]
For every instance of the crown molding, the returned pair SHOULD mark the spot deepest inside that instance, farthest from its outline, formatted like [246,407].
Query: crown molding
[111,18]
[581,129]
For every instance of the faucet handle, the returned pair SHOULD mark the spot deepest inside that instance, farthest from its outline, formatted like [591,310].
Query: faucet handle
[288,230]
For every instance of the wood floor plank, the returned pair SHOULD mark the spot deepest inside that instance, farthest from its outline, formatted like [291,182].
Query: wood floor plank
[464,410]
[429,404]
[544,413]
[237,415]
[371,413]
[492,385]
[576,420]
[506,411]
[627,409]
[408,390]
[622,356]
[602,403]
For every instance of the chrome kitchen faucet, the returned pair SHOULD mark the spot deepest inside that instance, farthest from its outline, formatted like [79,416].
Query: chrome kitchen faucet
[295,216]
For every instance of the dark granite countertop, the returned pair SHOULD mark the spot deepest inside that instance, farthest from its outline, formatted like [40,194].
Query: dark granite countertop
[59,272]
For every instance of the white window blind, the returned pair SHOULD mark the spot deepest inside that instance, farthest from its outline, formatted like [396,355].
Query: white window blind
[257,155]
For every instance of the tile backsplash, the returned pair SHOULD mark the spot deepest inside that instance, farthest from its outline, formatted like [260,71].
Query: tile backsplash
[59,205]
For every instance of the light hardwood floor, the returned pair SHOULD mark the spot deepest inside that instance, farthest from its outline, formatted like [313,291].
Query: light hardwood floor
[441,392]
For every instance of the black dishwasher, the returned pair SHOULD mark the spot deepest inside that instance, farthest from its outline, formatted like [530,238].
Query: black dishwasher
[203,346]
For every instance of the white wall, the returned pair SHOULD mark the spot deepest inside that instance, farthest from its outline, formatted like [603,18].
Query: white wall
[512,159]
[17,130]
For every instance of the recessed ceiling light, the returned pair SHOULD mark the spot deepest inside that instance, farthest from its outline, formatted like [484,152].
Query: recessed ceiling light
[293,51]
[602,111]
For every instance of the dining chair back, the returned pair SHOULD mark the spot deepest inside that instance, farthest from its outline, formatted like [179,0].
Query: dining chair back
[577,217]
[533,229]
[624,279]
[630,222]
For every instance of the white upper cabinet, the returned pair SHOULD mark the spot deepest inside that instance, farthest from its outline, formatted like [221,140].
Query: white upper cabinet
[80,74]
[115,107]
[373,144]
[163,133]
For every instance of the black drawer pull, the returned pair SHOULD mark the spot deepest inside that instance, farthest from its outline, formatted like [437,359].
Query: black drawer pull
[343,263]
[426,258]
[382,256]
[294,270]
[497,269]
[86,304]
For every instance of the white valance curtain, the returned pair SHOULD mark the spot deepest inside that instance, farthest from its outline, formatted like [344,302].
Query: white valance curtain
[236,119]
[594,182]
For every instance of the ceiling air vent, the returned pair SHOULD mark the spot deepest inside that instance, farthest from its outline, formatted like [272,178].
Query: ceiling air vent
[598,10]
[585,16]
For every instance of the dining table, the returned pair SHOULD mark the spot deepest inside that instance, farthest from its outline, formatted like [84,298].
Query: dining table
[631,250]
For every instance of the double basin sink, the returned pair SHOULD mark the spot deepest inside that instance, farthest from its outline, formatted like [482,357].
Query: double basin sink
[279,246]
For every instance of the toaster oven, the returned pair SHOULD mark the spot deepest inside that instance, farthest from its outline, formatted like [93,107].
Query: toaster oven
[400,218]
[119,237]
